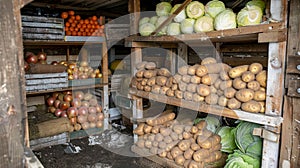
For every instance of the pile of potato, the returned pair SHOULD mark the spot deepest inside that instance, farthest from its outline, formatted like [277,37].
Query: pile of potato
[187,144]
[241,87]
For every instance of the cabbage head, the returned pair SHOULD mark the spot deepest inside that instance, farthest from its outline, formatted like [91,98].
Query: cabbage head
[181,15]
[204,24]
[163,9]
[153,20]
[146,29]
[225,20]
[144,20]
[187,26]
[227,138]
[250,15]
[195,9]
[159,21]
[260,3]
[241,160]
[213,122]
[214,7]
[173,29]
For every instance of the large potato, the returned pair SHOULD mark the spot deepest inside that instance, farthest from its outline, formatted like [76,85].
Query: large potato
[229,92]
[238,71]
[150,65]
[191,88]
[195,79]
[183,70]
[259,95]
[233,104]
[197,97]
[161,80]
[261,78]
[248,76]
[164,72]
[212,99]
[203,90]
[239,84]
[208,60]
[141,65]
[151,81]
[209,79]
[244,95]
[186,78]
[251,106]
[149,73]
[192,70]
[255,68]
[201,71]
[254,85]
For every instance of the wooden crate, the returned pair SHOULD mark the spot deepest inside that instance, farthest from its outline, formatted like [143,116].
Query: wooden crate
[42,28]
[50,141]
[38,82]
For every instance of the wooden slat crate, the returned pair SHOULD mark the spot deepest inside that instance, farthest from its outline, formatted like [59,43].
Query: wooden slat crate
[50,141]
[42,28]
[38,82]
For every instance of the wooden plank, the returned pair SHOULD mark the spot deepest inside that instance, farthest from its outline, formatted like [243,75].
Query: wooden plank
[293,65]
[236,61]
[149,44]
[104,63]
[182,55]
[58,43]
[137,112]
[296,137]
[59,6]
[294,87]
[211,109]
[276,36]
[134,10]
[234,48]
[31,160]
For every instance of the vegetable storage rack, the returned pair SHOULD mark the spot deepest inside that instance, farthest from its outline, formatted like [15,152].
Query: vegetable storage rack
[273,34]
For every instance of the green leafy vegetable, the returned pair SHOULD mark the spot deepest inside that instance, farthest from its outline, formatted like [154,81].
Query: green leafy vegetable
[163,9]
[181,15]
[250,15]
[260,3]
[153,20]
[146,29]
[204,24]
[173,29]
[159,21]
[144,20]
[227,138]
[225,20]
[195,10]
[213,122]
[214,7]
[187,26]
[241,160]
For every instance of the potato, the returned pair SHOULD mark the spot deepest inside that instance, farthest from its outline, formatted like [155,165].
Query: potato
[161,80]
[194,129]
[154,150]
[140,74]
[262,89]
[150,65]
[162,144]
[140,143]
[165,131]
[188,154]
[151,81]
[195,147]
[222,101]
[203,90]
[194,164]
[180,160]
[178,129]
[197,97]
[140,86]
[186,78]
[177,78]
[216,147]
[161,119]
[201,71]
[144,137]
[164,72]
[263,108]
[178,94]
[251,106]
[226,67]
[226,84]
[133,82]
[220,92]
[162,154]
[216,155]
[140,65]
[201,125]
[149,73]
[233,104]
[139,130]
[147,129]
[217,83]
[200,155]
[208,60]
[174,87]
[201,138]
[248,76]
[195,79]
[148,144]
[164,90]
[182,86]
[156,89]
[212,99]
[188,96]
[261,78]
[255,68]
[151,137]
[244,95]
[184,145]
[224,75]
[186,135]
[186,163]
[183,70]
[209,79]
[155,129]
[155,144]
[159,137]
[191,88]
[254,85]
[169,156]
[170,93]
[210,142]
[174,136]
[238,71]
[176,152]
[229,92]
[169,82]
[259,95]
[213,89]
[192,70]
[144,82]
[168,139]
[238,83]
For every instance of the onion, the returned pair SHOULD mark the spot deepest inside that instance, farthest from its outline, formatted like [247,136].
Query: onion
[64,114]
[56,103]
[68,98]
[55,95]
[100,116]
[68,92]
[88,96]
[54,63]
[51,109]
[60,97]
[64,105]
[79,95]
[76,103]
[28,53]
[92,117]
[83,111]
[73,120]
[72,112]
[26,66]
[75,76]
[99,124]
[77,127]
[58,112]
[31,59]
[85,125]
[84,63]
[72,65]
[93,102]
[50,101]
[99,108]
[81,119]
[42,56]
[92,124]
[92,110]
[85,104]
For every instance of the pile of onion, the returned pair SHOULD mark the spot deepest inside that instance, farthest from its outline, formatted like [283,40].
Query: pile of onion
[31,58]
[82,70]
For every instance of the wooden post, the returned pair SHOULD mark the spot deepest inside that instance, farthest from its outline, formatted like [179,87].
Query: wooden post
[13,117]
[105,93]
[183,54]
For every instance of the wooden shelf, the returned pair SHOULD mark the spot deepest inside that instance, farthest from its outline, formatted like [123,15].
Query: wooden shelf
[65,89]
[211,109]
[58,43]
[262,33]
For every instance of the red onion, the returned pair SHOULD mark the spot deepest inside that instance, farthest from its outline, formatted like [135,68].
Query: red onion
[58,112]
[73,120]
[100,116]
[83,111]
[76,103]
[42,56]
[99,124]
[51,109]
[55,95]
[26,66]
[81,119]
[93,102]
[64,114]
[85,104]
[92,110]
[92,117]
[64,105]
[50,101]
[72,112]
[31,59]
[56,103]
[68,98]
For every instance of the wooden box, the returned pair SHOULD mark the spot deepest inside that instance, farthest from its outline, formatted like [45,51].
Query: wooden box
[38,82]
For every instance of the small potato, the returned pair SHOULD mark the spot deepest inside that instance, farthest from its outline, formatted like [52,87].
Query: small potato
[164,72]
[161,80]
[209,79]
[261,78]
[184,145]
[140,65]
[220,92]
[169,156]
[187,163]
[226,67]
[229,92]
[213,89]
[178,129]
[159,137]
[212,99]
[177,78]
[238,71]
[140,143]
[186,135]
[262,89]
[149,73]
[164,90]
[197,98]
[151,81]
[133,82]
[248,76]
[208,60]
[254,85]
[179,160]
[255,68]
[169,82]
[233,104]
[238,83]
[203,90]
[225,84]
[200,155]
[170,93]
[186,78]
[251,106]
[174,87]
[192,70]
[144,82]
[140,74]
[148,144]
[194,164]
[174,136]
[191,88]
[139,130]
[194,129]
[182,86]
[201,71]
[168,139]
[165,131]
[179,94]
[156,89]
[140,86]
[154,150]
[183,70]
[176,152]
[150,65]
[214,68]
[195,79]
[259,96]
[224,75]
[188,96]
[223,101]
[162,154]
[151,137]
[244,95]
[155,144]
[147,129]
[155,129]
[217,83]
[263,107]
[195,147]
[162,145]
[188,154]
[201,125]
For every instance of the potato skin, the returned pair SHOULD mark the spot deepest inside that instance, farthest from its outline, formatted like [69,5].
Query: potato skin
[224,75]
[147,88]
[225,84]
[255,68]
[164,72]
[141,65]
[238,83]
[197,97]
[201,71]
[244,95]
[233,103]
[156,89]
[195,79]
[203,90]
[149,73]
[248,76]
[183,70]
[212,99]
[238,71]
[191,88]
[140,74]
[151,81]
[170,93]
[261,77]
[192,70]
[259,96]
[188,96]
[209,79]
[150,65]
[208,60]
[163,90]
[254,85]
[251,106]
[161,80]
[222,101]
[179,94]
[229,92]
[182,86]
[186,78]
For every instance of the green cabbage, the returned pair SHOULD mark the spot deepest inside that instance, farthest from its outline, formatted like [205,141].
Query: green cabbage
[195,10]
[181,15]
[227,139]
[144,20]
[260,3]
[225,20]
[204,24]
[214,7]
[187,26]
[153,20]
[159,21]
[241,160]
[173,29]
[250,15]
[213,122]
[163,9]
[146,29]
